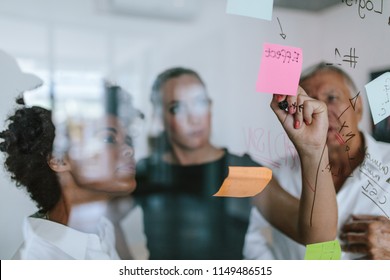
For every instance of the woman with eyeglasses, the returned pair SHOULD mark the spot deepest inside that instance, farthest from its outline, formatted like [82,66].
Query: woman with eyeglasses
[177,181]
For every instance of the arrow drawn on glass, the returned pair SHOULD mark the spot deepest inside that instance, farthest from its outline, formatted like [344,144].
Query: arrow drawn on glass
[282,34]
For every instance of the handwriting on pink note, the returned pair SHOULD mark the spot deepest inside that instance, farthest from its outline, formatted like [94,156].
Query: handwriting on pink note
[280,69]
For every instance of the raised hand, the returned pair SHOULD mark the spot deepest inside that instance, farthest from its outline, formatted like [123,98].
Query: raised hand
[305,120]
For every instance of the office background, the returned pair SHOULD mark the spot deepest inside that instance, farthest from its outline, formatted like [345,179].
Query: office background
[132,41]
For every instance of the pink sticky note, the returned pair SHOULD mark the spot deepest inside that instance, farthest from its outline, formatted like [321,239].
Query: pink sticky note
[280,69]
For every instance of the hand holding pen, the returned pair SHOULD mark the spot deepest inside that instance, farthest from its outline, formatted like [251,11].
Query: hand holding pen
[304,119]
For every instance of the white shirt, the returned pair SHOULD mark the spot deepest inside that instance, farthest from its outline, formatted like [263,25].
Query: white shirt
[90,235]
[367,191]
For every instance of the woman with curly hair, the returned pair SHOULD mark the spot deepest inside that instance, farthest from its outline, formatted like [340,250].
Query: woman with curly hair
[77,219]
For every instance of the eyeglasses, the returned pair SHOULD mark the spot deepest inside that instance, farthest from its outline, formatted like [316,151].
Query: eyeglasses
[196,107]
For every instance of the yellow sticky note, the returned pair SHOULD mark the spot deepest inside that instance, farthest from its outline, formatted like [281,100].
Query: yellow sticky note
[329,250]
[245,181]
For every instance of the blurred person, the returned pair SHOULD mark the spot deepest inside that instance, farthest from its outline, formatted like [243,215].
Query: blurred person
[358,166]
[13,81]
[78,218]
[184,170]
[177,181]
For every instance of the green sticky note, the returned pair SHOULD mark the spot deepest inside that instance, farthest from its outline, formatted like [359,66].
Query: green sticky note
[330,250]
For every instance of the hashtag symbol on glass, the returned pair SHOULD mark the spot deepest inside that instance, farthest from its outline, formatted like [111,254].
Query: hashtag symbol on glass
[351,58]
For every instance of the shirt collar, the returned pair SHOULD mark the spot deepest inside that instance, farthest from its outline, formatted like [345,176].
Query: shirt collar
[72,242]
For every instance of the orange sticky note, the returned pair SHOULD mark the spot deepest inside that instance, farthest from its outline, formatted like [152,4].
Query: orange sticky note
[245,181]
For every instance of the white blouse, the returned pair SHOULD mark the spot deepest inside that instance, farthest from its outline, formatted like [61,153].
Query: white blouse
[93,240]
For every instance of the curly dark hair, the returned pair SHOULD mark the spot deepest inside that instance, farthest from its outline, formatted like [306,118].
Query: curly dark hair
[28,144]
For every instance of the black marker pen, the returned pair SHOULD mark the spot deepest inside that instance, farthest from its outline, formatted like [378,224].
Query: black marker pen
[283,105]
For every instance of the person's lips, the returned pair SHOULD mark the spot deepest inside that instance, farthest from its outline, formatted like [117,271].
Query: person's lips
[333,132]
[128,168]
[196,133]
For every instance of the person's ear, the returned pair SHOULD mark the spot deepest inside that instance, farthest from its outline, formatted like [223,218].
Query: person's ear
[58,164]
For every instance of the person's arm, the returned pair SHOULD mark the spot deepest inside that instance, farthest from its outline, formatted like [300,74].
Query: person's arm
[313,218]
[368,235]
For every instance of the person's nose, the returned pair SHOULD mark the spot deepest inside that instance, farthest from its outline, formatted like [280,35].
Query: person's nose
[193,117]
[333,116]
[127,151]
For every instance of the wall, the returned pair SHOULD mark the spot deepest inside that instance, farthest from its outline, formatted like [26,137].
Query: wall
[225,50]
[343,28]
